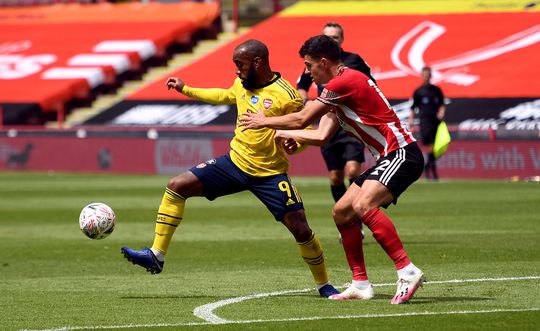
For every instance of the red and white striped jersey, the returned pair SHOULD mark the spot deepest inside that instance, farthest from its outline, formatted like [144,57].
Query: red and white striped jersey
[364,112]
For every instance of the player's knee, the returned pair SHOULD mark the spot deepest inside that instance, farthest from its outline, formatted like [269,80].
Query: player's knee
[340,214]
[362,205]
[179,184]
[336,177]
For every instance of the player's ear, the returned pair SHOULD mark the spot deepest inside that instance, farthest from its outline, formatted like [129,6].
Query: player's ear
[323,62]
[257,61]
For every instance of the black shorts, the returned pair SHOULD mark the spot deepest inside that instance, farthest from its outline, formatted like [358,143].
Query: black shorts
[427,132]
[341,149]
[397,171]
[222,177]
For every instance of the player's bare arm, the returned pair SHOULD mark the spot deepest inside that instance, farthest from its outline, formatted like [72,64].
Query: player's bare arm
[318,137]
[298,120]
[175,83]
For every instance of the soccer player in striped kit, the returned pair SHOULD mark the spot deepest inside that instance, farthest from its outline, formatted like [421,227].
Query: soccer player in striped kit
[353,100]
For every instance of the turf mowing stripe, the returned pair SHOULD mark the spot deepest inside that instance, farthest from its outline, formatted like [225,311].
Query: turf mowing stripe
[206,311]
[313,318]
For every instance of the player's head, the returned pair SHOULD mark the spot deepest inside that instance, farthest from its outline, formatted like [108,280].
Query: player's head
[425,74]
[321,54]
[334,31]
[251,60]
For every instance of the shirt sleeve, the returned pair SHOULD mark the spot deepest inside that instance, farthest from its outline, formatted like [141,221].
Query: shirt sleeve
[334,92]
[414,100]
[211,95]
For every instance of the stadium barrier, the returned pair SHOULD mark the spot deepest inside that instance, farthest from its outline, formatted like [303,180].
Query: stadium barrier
[173,150]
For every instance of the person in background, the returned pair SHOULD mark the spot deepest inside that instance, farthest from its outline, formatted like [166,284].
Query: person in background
[428,106]
[342,154]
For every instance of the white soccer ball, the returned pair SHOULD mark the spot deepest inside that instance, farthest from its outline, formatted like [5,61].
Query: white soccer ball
[97,220]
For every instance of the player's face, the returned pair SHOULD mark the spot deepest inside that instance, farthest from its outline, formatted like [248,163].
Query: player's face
[334,33]
[317,69]
[245,69]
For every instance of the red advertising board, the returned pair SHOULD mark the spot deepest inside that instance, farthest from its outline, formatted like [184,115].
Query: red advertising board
[464,159]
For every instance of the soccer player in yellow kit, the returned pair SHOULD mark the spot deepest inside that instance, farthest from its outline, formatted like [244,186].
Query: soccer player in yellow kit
[256,163]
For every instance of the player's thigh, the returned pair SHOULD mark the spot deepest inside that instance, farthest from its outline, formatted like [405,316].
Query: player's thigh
[396,171]
[186,184]
[278,194]
[220,177]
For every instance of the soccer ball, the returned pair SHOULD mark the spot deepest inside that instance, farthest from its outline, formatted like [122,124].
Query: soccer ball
[97,220]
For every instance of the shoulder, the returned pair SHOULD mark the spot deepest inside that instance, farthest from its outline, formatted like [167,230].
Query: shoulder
[286,89]
[346,80]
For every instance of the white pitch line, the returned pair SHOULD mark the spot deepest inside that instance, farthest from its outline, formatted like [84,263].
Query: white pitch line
[206,310]
[312,318]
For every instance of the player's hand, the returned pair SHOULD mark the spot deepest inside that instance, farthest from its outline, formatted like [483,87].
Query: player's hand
[175,83]
[289,144]
[252,120]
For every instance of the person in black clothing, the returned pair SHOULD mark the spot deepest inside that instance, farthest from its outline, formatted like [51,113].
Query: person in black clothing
[342,154]
[428,106]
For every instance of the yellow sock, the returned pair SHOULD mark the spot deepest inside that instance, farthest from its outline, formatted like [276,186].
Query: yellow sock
[169,215]
[312,253]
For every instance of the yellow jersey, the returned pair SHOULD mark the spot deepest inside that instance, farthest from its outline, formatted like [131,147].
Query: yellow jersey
[255,151]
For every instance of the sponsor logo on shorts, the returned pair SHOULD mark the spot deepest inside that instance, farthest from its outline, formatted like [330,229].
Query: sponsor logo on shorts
[204,164]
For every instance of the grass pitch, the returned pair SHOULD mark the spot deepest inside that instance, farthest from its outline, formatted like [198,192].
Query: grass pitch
[465,235]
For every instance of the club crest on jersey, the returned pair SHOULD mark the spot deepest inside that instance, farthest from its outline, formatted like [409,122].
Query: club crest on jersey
[254,99]
[267,103]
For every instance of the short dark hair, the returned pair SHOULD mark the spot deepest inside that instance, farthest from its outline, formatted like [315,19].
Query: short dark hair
[337,26]
[321,46]
[254,48]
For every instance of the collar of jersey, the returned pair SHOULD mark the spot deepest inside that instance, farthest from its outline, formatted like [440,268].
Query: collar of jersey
[277,76]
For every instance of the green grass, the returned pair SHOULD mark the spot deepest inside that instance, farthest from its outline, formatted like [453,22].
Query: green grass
[52,276]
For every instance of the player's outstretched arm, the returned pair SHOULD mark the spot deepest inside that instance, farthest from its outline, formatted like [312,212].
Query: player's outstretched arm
[299,120]
[318,137]
[209,95]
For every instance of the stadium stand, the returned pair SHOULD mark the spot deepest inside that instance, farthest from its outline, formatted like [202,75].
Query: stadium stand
[481,52]
[471,66]
[64,52]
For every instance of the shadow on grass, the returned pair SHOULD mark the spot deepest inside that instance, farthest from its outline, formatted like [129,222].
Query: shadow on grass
[415,300]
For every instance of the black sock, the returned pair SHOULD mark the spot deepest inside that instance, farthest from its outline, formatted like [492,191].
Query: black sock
[338,191]
[432,165]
